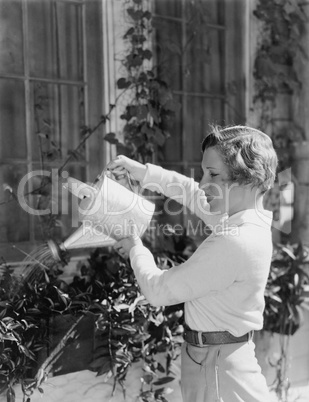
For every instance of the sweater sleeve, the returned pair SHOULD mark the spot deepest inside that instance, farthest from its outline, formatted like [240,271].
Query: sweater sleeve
[183,190]
[207,270]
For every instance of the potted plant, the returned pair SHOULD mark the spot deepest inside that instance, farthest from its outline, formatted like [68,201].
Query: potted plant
[42,324]
[285,297]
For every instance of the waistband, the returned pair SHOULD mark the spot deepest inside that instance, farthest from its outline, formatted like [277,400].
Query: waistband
[199,338]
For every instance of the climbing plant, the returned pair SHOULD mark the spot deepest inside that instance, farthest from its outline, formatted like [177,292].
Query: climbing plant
[150,113]
[275,71]
[277,83]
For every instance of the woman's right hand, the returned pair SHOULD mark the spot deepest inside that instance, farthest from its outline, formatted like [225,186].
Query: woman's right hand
[122,164]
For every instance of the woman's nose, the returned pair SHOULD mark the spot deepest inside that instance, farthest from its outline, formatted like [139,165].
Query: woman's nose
[203,184]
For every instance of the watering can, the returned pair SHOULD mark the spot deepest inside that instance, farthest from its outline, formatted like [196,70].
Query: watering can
[107,209]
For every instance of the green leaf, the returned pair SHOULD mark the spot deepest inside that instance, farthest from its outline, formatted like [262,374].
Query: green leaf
[147,378]
[25,351]
[135,15]
[102,351]
[111,138]
[296,280]
[141,112]
[122,83]
[33,311]
[132,110]
[105,368]
[129,32]
[149,131]
[134,60]
[147,15]
[125,330]
[154,113]
[164,380]
[52,305]
[171,105]
[289,252]
[276,298]
[129,328]
[160,368]
[142,78]
[138,39]
[147,54]
[159,137]
[98,363]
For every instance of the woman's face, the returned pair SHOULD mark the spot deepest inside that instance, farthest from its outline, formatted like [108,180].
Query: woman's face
[222,195]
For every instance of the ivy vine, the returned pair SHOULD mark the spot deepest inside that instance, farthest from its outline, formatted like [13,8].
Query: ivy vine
[149,116]
[275,71]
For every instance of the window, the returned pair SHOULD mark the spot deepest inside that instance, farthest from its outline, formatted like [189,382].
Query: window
[200,48]
[51,86]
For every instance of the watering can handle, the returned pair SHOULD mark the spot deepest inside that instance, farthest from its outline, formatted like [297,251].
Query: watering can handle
[131,184]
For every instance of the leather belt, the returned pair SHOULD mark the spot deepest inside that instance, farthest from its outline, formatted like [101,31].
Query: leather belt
[199,338]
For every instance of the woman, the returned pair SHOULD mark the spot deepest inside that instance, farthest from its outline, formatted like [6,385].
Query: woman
[222,284]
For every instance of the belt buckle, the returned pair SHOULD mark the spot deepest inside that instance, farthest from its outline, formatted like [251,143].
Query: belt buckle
[200,338]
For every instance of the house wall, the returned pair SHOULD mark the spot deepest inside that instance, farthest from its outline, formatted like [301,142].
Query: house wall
[268,352]
[300,229]
[287,107]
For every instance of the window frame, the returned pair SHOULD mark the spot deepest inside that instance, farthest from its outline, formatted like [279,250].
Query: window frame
[90,165]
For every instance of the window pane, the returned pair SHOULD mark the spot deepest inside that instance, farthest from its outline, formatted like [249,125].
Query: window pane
[168,52]
[11,37]
[204,11]
[14,221]
[170,8]
[72,119]
[172,149]
[42,39]
[68,207]
[202,112]
[70,41]
[57,118]
[204,61]
[45,120]
[12,121]
[55,36]
[58,205]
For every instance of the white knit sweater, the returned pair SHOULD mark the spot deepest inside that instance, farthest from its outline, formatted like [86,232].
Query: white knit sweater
[222,284]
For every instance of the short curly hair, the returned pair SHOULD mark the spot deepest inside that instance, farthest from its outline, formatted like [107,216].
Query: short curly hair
[247,152]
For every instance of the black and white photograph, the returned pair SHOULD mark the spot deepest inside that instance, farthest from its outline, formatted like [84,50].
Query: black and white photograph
[154,200]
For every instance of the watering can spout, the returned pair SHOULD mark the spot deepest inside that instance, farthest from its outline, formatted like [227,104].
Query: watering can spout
[80,189]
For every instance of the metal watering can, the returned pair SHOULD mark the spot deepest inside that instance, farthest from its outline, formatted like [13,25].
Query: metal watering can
[106,209]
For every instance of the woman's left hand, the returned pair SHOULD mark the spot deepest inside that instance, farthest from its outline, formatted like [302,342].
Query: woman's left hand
[124,246]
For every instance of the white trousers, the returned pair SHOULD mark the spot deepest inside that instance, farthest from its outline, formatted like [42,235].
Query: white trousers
[222,373]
